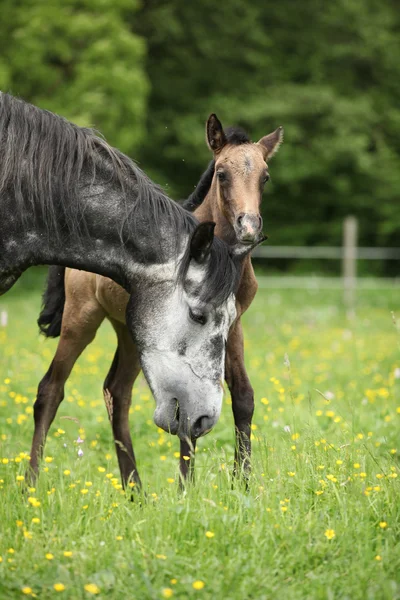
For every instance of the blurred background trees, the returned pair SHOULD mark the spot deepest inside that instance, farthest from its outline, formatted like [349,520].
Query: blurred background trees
[148,75]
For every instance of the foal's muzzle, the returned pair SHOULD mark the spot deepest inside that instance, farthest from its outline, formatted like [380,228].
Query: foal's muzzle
[248,227]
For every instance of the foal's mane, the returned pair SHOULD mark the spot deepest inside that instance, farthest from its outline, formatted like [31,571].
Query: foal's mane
[236,136]
[44,158]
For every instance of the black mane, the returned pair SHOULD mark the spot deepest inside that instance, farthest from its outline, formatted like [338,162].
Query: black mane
[45,158]
[236,136]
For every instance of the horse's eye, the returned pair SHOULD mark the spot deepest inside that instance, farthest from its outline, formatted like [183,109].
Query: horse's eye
[197,317]
[221,176]
[265,179]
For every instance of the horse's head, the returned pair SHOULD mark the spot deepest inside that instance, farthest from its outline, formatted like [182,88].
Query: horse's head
[240,174]
[180,321]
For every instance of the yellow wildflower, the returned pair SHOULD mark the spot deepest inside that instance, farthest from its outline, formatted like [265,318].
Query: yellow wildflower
[330,534]
[198,584]
[92,588]
[26,590]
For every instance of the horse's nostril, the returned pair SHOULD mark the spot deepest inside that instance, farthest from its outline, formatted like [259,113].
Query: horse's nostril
[260,221]
[201,426]
[239,219]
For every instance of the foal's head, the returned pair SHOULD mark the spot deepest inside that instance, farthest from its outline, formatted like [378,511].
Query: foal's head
[240,174]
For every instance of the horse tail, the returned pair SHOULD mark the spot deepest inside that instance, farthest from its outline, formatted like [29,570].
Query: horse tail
[53,301]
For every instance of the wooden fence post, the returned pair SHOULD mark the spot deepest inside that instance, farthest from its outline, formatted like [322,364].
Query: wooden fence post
[349,263]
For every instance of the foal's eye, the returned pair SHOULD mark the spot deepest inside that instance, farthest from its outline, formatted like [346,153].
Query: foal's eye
[197,317]
[221,176]
[265,179]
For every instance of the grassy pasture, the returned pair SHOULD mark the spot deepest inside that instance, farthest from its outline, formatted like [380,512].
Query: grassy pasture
[321,518]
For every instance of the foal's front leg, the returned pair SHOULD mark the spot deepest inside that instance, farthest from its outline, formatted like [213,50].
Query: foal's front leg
[78,330]
[119,382]
[186,461]
[242,399]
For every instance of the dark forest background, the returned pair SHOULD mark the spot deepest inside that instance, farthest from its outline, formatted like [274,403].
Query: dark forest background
[148,75]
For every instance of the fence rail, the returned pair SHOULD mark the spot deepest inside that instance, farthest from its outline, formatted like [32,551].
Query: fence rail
[315,282]
[332,252]
[348,253]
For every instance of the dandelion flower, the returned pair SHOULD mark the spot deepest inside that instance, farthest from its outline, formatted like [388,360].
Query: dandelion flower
[49,556]
[198,584]
[59,587]
[210,534]
[68,553]
[26,590]
[383,524]
[92,588]
[330,534]
[167,593]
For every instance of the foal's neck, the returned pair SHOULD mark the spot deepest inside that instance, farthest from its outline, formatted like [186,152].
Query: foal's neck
[209,211]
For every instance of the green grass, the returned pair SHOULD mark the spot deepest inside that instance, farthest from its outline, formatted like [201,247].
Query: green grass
[326,457]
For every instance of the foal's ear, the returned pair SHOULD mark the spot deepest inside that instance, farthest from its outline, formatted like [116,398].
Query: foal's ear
[215,135]
[201,241]
[270,143]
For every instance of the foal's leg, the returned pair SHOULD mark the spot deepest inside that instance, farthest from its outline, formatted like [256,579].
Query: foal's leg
[119,382]
[186,461]
[242,399]
[78,330]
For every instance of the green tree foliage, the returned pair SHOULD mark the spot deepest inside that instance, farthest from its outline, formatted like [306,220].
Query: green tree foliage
[79,59]
[328,73]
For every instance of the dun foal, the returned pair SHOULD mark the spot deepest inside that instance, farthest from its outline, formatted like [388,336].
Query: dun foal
[76,302]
